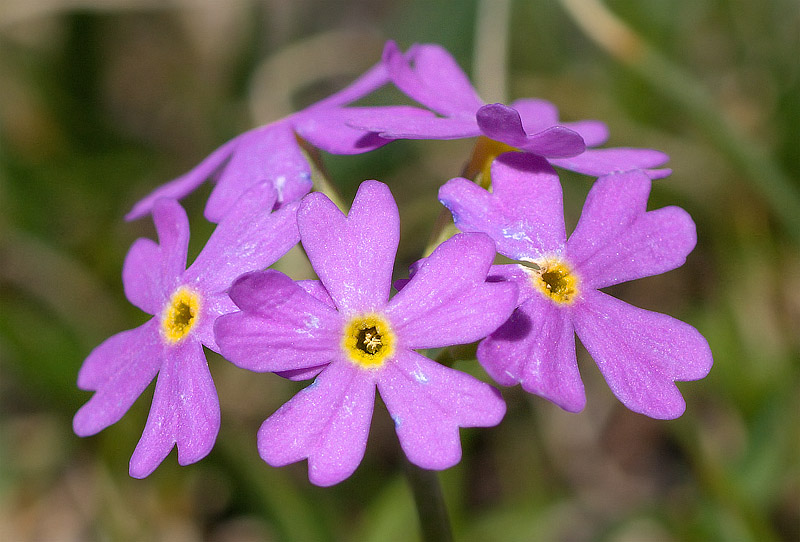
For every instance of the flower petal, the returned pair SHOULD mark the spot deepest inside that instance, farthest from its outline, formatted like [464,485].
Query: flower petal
[281,327]
[536,114]
[119,369]
[523,213]
[429,402]
[172,226]
[268,153]
[249,238]
[598,162]
[593,132]
[354,255]
[185,411]
[617,240]
[503,123]
[187,183]
[436,80]
[641,353]
[142,279]
[448,301]
[536,347]
[340,131]
[211,307]
[420,125]
[327,422]
[370,80]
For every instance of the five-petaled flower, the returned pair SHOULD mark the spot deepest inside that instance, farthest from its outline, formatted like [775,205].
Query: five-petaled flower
[640,353]
[184,304]
[436,81]
[354,338]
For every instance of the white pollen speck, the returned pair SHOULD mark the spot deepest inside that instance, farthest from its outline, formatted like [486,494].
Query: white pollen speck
[419,376]
[280,182]
[398,421]
[515,234]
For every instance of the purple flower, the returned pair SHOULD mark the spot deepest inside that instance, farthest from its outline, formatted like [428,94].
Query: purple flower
[356,339]
[436,81]
[272,152]
[185,303]
[640,353]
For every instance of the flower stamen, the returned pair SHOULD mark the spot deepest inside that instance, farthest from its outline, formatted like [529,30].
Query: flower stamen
[555,279]
[368,340]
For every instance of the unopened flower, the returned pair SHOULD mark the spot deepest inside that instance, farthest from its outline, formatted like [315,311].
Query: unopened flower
[640,353]
[184,304]
[357,339]
[272,152]
[430,75]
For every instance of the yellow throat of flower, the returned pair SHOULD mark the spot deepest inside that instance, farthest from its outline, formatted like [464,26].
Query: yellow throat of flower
[555,279]
[180,315]
[479,167]
[368,340]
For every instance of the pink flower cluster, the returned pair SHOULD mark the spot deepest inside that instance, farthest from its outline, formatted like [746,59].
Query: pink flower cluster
[347,332]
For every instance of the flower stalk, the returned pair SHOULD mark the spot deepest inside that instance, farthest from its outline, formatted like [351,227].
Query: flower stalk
[434,521]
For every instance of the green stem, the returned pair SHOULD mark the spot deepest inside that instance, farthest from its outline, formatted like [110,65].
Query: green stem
[434,521]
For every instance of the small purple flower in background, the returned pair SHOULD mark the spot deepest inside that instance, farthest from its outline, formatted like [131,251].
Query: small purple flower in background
[272,152]
[640,353]
[185,303]
[357,339]
[436,81]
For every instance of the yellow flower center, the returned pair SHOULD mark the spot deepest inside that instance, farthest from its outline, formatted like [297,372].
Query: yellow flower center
[368,340]
[180,315]
[555,279]
[479,167]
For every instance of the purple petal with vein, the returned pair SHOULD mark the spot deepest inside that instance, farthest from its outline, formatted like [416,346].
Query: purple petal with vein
[327,422]
[185,411]
[429,402]
[503,123]
[536,347]
[120,369]
[354,255]
[172,226]
[417,126]
[536,114]
[142,277]
[340,131]
[598,162]
[593,132]
[448,301]
[436,81]
[248,238]
[523,214]
[268,153]
[281,328]
[641,353]
[617,240]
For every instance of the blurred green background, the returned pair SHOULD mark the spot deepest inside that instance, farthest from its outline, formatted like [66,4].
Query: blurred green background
[103,100]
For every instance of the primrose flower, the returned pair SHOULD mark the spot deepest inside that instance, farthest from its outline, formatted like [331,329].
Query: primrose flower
[436,81]
[184,304]
[272,152]
[356,339]
[640,353]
